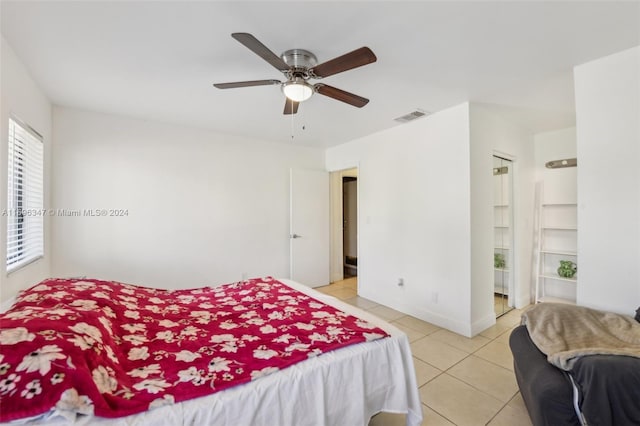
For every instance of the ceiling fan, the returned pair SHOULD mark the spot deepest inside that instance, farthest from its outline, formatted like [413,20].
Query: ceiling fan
[299,66]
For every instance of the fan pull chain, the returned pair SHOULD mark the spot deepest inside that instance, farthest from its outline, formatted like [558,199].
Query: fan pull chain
[292,122]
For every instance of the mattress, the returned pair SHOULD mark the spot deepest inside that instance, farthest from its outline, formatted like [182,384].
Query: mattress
[343,387]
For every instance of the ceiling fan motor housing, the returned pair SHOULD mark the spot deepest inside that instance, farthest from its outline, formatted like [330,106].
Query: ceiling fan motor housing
[300,61]
[299,58]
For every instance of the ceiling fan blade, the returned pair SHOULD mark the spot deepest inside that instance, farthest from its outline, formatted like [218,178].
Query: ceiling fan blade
[246,84]
[261,50]
[357,58]
[290,107]
[341,95]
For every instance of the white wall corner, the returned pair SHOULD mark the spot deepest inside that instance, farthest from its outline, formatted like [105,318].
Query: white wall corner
[482,324]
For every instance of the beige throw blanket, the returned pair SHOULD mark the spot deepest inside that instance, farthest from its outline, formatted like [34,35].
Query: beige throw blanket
[566,332]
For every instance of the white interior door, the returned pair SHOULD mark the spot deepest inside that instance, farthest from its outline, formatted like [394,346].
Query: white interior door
[309,227]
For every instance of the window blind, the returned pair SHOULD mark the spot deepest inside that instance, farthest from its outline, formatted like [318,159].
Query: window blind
[25,228]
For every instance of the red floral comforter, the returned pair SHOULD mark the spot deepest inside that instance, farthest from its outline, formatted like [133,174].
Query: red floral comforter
[112,349]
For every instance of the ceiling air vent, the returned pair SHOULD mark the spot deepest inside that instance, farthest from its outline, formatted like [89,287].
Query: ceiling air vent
[411,116]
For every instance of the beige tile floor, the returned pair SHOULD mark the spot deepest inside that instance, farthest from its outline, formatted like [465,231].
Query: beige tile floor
[461,381]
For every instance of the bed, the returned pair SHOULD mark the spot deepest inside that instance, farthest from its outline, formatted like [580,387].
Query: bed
[578,366]
[331,385]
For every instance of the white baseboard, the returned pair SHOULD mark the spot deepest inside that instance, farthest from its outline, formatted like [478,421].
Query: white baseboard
[482,324]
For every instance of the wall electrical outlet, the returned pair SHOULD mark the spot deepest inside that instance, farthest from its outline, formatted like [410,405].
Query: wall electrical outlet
[245,276]
[400,282]
[434,297]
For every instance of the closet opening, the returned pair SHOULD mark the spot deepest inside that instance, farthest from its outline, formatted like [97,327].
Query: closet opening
[503,289]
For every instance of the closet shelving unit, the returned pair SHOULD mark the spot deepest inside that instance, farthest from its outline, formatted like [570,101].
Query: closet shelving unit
[502,236]
[557,240]
[501,211]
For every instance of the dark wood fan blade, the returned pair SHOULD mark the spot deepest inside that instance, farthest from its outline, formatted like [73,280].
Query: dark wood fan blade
[357,58]
[246,84]
[253,44]
[341,95]
[290,107]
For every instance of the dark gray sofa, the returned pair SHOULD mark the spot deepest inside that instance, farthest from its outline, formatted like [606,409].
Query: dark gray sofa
[608,386]
[546,390]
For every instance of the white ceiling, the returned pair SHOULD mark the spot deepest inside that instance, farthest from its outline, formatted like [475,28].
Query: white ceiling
[158,60]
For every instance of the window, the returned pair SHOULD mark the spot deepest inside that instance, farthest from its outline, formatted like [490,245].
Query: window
[25,229]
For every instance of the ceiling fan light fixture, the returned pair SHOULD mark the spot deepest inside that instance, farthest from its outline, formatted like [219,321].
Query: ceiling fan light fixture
[299,66]
[298,90]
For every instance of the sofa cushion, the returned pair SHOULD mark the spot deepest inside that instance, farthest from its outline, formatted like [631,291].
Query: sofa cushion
[546,390]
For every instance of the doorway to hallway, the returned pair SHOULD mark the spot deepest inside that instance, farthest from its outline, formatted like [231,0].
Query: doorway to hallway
[350,225]
[344,224]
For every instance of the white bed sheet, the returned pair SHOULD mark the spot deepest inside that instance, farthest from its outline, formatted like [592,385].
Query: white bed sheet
[345,387]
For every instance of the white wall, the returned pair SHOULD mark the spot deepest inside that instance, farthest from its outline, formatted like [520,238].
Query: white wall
[203,208]
[491,134]
[608,134]
[414,216]
[559,186]
[22,98]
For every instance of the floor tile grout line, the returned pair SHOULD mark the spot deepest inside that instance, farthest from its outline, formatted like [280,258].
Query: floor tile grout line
[464,350]
[470,384]
[480,390]
[418,331]
[502,408]
[431,379]
[451,346]
[440,414]
[494,363]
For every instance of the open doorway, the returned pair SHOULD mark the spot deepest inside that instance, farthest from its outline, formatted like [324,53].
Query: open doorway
[350,225]
[344,224]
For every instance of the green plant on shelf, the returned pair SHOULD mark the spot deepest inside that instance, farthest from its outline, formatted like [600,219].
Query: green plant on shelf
[567,269]
[498,261]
